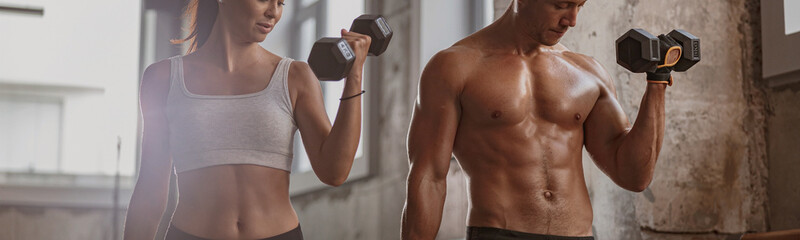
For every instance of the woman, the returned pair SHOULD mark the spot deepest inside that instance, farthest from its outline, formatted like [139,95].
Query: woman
[225,115]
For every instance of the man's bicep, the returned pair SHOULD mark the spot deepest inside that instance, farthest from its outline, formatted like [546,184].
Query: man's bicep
[435,120]
[605,127]
[430,139]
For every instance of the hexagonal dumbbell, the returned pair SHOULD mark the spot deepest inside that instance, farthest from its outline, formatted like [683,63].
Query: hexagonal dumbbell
[638,51]
[332,58]
[691,49]
[375,27]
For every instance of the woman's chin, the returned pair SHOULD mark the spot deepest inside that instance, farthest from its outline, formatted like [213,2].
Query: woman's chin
[259,37]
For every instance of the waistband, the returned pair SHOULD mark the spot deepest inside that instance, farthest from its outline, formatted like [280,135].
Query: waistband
[489,233]
[174,233]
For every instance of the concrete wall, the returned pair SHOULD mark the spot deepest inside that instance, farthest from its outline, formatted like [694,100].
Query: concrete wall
[711,173]
[711,180]
[784,158]
[21,223]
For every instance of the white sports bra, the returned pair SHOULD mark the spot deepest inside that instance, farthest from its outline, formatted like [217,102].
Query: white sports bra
[207,130]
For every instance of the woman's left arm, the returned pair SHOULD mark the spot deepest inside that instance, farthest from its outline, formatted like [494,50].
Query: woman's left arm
[331,149]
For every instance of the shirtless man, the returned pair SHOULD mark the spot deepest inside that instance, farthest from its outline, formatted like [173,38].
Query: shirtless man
[515,108]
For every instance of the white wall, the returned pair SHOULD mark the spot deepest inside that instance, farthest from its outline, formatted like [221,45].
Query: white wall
[87,54]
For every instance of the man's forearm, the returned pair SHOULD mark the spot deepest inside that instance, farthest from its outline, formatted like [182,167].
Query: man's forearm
[637,154]
[422,214]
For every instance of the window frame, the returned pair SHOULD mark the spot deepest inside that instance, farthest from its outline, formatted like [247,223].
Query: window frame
[21,93]
[778,48]
[61,189]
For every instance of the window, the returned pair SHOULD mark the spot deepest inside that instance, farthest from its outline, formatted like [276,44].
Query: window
[780,31]
[303,23]
[31,138]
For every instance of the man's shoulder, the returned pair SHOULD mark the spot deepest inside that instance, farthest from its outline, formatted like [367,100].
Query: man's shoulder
[448,69]
[453,62]
[587,63]
[459,54]
[576,57]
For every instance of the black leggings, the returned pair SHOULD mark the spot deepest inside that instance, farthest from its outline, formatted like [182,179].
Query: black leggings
[176,234]
[488,233]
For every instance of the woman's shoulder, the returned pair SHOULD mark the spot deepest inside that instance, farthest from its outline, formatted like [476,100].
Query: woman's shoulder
[300,71]
[156,77]
[163,66]
[299,67]
[302,81]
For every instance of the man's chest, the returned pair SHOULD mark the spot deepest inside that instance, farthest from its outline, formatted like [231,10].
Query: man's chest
[504,95]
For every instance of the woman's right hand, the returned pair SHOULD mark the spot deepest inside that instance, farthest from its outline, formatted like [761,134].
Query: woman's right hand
[360,44]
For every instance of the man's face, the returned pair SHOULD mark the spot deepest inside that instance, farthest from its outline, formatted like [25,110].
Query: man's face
[548,20]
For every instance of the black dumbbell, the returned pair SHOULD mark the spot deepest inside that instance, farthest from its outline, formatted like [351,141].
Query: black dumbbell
[639,51]
[375,27]
[332,58]
[691,49]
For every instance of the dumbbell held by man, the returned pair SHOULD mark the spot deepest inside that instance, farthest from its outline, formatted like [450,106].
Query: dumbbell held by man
[639,51]
[332,58]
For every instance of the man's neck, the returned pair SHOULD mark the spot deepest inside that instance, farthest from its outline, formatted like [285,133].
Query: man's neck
[227,52]
[510,33]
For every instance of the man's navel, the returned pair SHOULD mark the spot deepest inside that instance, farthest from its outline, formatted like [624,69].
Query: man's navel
[548,195]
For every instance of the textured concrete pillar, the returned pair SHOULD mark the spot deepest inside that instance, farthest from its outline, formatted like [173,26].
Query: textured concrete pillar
[784,162]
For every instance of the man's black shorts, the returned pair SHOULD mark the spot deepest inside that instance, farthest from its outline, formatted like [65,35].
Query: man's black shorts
[488,233]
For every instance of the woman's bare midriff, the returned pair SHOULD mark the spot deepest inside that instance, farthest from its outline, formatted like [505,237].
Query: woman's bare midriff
[234,202]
